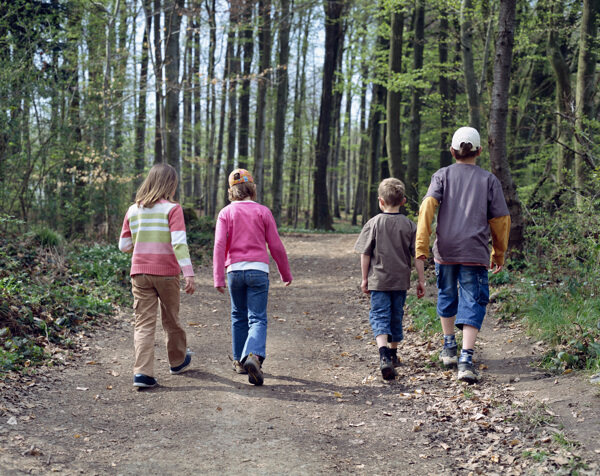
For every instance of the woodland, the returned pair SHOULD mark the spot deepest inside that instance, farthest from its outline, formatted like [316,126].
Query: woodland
[320,100]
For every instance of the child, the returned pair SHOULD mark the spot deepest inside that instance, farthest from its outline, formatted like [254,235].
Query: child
[154,231]
[471,204]
[386,244]
[243,230]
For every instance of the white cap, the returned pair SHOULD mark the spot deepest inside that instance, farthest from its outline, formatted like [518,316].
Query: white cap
[466,134]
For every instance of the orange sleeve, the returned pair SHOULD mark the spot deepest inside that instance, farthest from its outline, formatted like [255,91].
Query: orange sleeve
[500,228]
[426,214]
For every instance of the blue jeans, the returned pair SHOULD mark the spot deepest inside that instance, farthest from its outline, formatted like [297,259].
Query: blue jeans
[387,311]
[463,291]
[249,291]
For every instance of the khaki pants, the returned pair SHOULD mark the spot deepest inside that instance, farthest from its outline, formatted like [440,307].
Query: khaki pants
[148,291]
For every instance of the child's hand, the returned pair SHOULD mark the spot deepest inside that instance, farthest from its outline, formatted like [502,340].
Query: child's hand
[189,285]
[221,289]
[420,289]
[364,286]
[287,283]
[496,268]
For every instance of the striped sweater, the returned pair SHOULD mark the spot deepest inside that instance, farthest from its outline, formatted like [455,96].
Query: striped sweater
[157,238]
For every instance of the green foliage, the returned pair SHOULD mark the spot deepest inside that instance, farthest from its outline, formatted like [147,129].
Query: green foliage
[200,234]
[46,237]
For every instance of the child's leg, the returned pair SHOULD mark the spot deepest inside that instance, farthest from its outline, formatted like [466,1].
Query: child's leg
[145,304]
[397,316]
[257,296]
[239,312]
[380,316]
[447,283]
[473,299]
[175,337]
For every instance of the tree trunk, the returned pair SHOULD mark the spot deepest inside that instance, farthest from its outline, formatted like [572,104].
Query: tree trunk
[247,43]
[414,139]
[234,70]
[498,118]
[187,126]
[213,163]
[394,98]
[333,33]
[361,179]
[173,10]
[280,111]
[444,88]
[374,175]
[200,179]
[159,128]
[140,120]
[264,47]
[466,35]
[564,99]
[584,94]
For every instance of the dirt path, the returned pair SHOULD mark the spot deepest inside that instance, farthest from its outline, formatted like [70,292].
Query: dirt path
[323,407]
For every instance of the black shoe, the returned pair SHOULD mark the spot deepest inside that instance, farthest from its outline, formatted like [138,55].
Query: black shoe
[467,372]
[144,381]
[238,368]
[388,372]
[395,360]
[448,356]
[252,366]
[186,363]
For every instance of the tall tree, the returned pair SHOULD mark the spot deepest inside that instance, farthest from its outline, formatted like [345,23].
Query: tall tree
[247,44]
[466,36]
[140,120]
[321,218]
[394,95]
[584,105]
[280,111]
[498,118]
[159,122]
[213,162]
[444,88]
[414,138]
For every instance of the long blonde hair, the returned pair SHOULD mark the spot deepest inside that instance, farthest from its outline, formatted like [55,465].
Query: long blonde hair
[161,183]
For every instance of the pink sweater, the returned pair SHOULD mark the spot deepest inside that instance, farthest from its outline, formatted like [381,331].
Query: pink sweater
[243,230]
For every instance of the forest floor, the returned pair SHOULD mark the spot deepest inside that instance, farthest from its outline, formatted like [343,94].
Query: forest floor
[323,407]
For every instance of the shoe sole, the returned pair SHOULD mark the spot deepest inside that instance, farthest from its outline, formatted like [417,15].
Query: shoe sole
[468,376]
[254,375]
[450,361]
[176,372]
[388,373]
[144,385]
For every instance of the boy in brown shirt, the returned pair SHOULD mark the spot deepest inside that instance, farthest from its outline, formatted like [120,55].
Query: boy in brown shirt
[386,244]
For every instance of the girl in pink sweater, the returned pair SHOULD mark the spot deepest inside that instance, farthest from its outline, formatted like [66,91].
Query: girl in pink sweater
[244,229]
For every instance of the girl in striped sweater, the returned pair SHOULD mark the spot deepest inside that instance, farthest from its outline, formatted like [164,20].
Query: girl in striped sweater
[154,231]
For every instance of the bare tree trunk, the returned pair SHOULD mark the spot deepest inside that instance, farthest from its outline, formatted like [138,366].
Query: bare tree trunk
[140,121]
[264,47]
[498,118]
[372,205]
[247,45]
[234,70]
[466,35]
[414,139]
[584,104]
[394,98]
[187,126]
[173,10]
[213,163]
[201,180]
[444,88]
[333,33]
[280,111]
[361,179]
[159,142]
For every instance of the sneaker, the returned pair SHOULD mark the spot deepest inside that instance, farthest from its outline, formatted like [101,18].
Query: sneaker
[238,368]
[448,356]
[467,372]
[388,372]
[141,380]
[252,366]
[184,365]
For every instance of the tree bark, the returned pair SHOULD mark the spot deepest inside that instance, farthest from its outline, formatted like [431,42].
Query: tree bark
[200,179]
[234,76]
[584,104]
[213,163]
[321,218]
[414,139]
[264,47]
[498,119]
[280,111]
[466,35]
[159,128]
[140,121]
[444,88]
[394,98]
[247,43]
[187,126]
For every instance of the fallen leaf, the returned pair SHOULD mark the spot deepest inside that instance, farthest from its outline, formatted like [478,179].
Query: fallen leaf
[91,362]
[337,394]
[109,387]
[83,389]
[445,446]
[12,421]
[219,409]
[356,424]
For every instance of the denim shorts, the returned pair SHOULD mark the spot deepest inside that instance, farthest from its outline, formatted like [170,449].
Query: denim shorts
[387,311]
[463,291]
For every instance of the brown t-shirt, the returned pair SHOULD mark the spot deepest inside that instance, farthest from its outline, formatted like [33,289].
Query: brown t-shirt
[389,238]
[469,197]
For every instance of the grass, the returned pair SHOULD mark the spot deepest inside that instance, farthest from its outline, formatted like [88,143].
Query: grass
[424,315]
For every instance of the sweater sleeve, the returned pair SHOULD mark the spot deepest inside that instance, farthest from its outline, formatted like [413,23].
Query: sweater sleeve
[426,214]
[219,251]
[500,228]
[179,241]
[276,248]
[125,241]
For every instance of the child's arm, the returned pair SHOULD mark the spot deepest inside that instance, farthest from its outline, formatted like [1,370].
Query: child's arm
[179,244]
[500,228]
[125,241]
[277,249]
[426,214]
[365,261]
[219,252]
[420,265]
